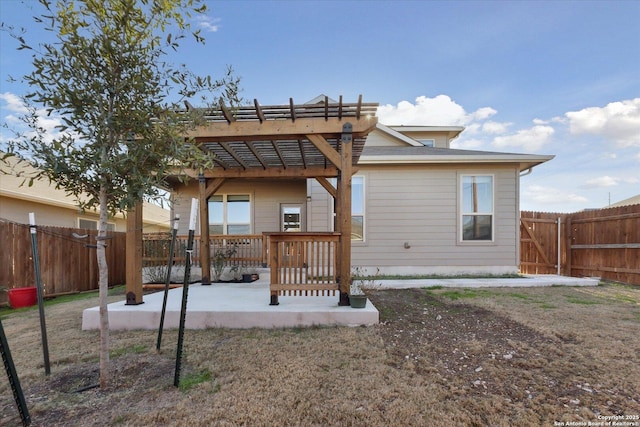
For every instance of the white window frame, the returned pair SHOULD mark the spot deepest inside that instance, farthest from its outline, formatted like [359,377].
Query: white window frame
[363,214]
[427,142]
[225,217]
[462,213]
[333,181]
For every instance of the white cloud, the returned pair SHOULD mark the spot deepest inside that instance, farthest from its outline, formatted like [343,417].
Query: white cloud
[617,121]
[495,128]
[210,25]
[467,144]
[48,122]
[549,195]
[602,181]
[14,103]
[531,139]
[438,111]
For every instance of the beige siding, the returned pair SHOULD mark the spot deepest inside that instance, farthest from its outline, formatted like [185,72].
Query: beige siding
[55,208]
[266,199]
[418,205]
[380,139]
[17,210]
[441,139]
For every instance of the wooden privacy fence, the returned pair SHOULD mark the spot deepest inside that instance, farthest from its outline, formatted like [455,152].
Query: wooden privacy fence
[67,264]
[602,243]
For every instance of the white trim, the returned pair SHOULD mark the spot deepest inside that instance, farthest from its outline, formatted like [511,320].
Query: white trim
[225,220]
[452,158]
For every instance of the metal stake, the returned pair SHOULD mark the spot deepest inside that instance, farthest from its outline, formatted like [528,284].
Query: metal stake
[185,289]
[36,267]
[13,378]
[174,232]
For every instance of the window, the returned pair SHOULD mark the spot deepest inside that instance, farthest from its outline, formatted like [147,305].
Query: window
[90,224]
[357,208]
[230,214]
[428,142]
[477,207]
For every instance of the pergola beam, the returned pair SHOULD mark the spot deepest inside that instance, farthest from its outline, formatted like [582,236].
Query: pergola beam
[325,148]
[327,186]
[277,129]
[261,159]
[233,154]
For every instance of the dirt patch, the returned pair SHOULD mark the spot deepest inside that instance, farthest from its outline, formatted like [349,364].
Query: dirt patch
[439,357]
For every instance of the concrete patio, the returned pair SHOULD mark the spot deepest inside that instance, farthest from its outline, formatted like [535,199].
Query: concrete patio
[246,305]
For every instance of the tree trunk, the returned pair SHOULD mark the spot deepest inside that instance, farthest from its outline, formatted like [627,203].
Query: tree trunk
[103,285]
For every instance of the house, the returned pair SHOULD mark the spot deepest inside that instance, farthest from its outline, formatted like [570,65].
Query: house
[53,207]
[417,205]
[633,200]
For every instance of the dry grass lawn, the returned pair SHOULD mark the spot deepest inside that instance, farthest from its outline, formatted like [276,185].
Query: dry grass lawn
[498,357]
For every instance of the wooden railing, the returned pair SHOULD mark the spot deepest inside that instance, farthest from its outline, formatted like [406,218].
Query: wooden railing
[248,249]
[303,264]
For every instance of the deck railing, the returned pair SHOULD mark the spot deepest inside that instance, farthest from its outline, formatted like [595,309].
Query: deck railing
[303,264]
[247,249]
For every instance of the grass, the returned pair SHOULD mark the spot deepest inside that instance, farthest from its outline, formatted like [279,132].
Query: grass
[468,293]
[581,301]
[351,376]
[134,349]
[192,379]
[61,299]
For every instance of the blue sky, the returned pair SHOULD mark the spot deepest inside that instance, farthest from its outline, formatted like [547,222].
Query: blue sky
[540,77]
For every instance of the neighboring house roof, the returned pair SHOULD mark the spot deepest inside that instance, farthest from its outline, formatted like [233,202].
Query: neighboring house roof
[43,192]
[634,200]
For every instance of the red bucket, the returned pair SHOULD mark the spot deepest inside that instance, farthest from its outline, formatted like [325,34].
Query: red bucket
[23,297]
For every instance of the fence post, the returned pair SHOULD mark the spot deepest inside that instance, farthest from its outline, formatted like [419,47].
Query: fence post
[567,247]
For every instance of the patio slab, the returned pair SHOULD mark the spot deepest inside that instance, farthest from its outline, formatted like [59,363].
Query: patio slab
[246,305]
[232,305]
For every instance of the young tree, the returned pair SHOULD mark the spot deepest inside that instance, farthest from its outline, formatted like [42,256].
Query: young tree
[107,79]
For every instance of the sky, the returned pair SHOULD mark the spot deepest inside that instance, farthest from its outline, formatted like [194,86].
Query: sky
[556,78]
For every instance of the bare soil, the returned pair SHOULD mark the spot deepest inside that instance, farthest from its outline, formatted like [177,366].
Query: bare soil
[499,357]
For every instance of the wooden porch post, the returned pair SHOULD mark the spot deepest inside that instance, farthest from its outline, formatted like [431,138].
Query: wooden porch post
[205,255]
[344,212]
[133,262]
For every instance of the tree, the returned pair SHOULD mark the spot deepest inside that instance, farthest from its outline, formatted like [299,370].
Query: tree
[107,79]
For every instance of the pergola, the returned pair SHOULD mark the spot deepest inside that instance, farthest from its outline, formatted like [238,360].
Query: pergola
[296,141]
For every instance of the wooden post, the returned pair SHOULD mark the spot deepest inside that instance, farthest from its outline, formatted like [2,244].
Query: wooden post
[205,255]
[568,231]
[134,255]
[344,196]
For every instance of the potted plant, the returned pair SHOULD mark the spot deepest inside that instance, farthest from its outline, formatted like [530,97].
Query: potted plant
[357,299]
[244,275]
[360,282]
